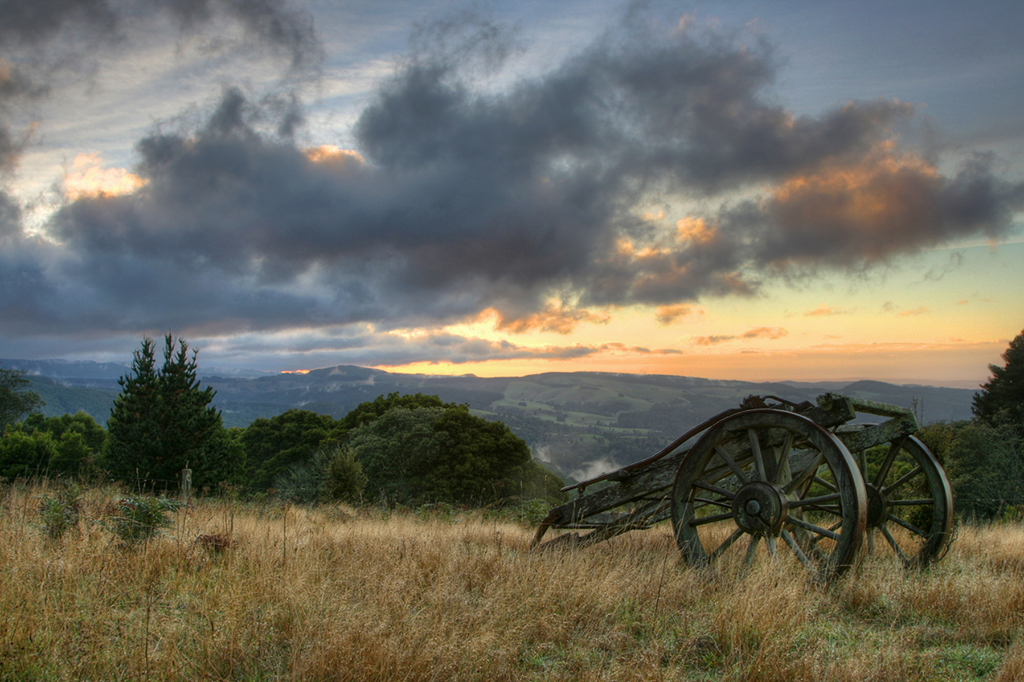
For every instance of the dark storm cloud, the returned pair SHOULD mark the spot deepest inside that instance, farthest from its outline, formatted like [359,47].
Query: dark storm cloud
[28,23]
[38,20]
[46,288]
[466,200]
[868,213]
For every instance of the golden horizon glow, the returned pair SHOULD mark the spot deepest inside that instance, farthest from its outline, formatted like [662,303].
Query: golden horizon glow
[964,365]
[903,325]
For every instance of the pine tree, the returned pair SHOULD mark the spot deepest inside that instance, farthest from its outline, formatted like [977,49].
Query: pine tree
[1001,400]
[163,422]
[133,450]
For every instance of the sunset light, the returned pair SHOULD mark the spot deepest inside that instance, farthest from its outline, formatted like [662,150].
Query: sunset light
[89,178]
[725,191]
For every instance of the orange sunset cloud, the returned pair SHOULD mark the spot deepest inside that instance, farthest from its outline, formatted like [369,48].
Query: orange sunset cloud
[88,178]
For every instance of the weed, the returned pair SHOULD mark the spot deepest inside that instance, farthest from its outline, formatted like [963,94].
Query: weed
[136,520]
[59,514]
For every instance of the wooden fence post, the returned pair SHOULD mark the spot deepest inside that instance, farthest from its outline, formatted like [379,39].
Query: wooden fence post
[186,485]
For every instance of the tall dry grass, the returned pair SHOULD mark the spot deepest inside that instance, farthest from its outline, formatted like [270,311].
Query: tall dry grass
[320,595]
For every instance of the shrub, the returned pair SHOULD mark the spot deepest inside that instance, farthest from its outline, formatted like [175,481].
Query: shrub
[59,514]
[332,474]
[136,520]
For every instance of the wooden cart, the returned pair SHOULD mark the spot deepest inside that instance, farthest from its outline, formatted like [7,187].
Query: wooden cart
[778,480]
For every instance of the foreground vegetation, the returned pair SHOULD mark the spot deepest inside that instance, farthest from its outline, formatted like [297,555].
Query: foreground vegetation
[232,591]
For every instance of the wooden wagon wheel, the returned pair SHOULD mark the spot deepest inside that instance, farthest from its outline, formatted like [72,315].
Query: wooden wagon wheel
[769,482]
[910,503]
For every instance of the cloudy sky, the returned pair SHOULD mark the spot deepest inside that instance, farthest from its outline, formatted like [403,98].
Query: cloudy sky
[736,190]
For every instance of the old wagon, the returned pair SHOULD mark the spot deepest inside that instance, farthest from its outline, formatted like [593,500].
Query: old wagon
[776,480]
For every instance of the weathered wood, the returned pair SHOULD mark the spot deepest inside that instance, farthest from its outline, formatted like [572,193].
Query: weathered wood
[778,455]
[859,437]
[657,476]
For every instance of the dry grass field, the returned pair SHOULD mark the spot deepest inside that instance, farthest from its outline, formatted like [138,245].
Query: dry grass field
[324,595]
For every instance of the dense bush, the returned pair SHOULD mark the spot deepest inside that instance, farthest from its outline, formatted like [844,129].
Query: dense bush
[983,463]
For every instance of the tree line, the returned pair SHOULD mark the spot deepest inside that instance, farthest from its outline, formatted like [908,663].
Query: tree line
[402,449]
[398,449]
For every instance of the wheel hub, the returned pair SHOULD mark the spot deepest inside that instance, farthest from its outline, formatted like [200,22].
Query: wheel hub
[760,508]
[878,506]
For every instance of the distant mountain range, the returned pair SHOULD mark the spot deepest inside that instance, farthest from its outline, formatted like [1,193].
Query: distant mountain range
[582,422]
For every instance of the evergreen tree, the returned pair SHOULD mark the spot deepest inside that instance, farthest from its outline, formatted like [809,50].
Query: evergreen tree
[1001,400]
[162,422]
[133,449]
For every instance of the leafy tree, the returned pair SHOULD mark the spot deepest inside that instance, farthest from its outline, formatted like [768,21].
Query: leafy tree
[445,454]
[23,455]
[162,422]
[273,446]
[1001,399]
[397,451]
[78,441]
[484,460]
[15,398]
[93,434]
[367,412]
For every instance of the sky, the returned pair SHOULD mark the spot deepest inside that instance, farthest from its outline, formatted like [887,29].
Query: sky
[764,191]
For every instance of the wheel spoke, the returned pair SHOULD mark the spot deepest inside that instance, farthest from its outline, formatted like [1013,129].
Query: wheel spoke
[834,511]
[813,528]
[825,484]
[805,474]
[726,544]
[890,457]
[903,479]
[748,560]
[712,519]
[731,463]
[913,529]
[892,542]
[755,449]
[797,551]
[814,500]
[774,457]
[706,501]
[871,540]
[714,489]
[832,527]
[782,471]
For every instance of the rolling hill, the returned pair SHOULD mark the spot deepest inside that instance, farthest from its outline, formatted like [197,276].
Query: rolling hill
[580,422]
